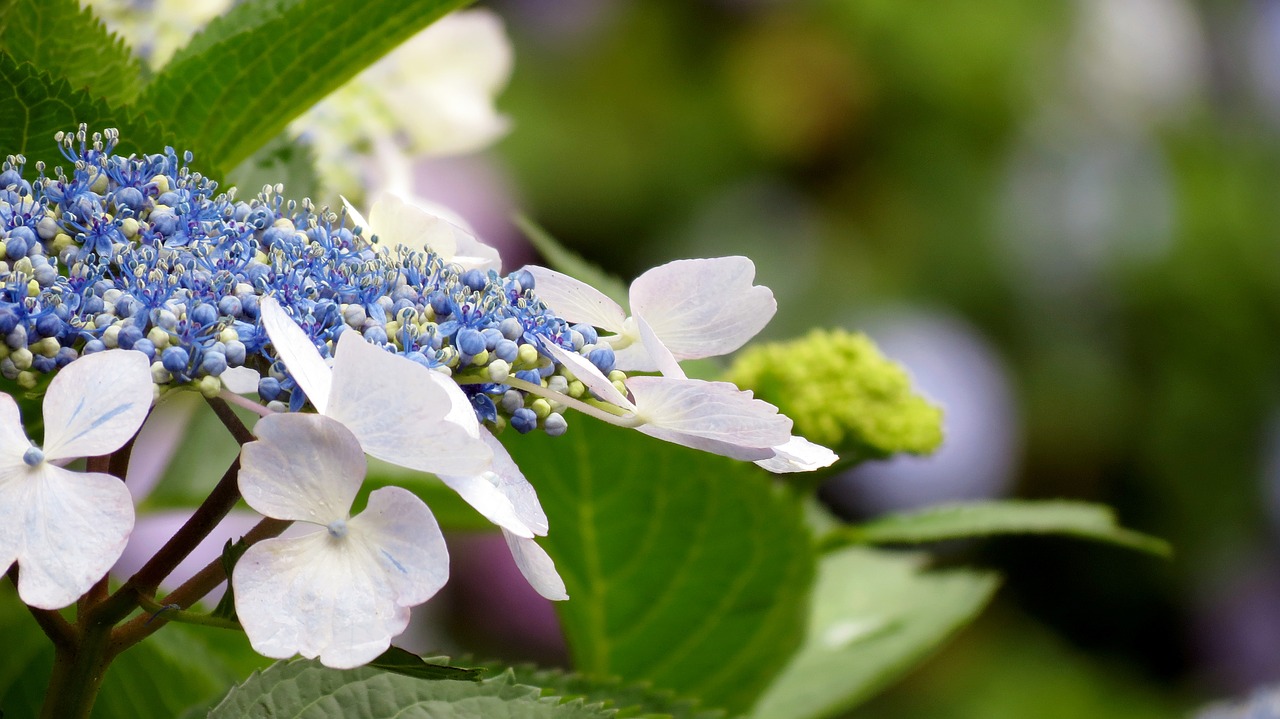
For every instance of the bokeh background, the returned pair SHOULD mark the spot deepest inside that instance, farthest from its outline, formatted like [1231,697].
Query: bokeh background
[1061,216]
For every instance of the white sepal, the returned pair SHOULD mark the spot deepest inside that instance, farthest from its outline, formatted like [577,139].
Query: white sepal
[712,416]
[798,455]
[702,307]
[502,494]
[96,403]
[398,220]
[402,412]
[303,467]
[537,567]
[295,349]
[588,374]
[575,300]
[240,380]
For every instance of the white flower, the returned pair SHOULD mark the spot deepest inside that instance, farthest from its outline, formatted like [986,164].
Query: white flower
[408,415]
[65,529]
[398,221]
[400,411]
[343,592]
[696,308]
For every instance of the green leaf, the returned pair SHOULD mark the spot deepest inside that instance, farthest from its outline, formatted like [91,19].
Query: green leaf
[283,161]
[399,661]
[876,614]
[305,689]
[684,569]
[630,699]
[69,42]
[983,519]
[563,259]
[245,76]
[37,106]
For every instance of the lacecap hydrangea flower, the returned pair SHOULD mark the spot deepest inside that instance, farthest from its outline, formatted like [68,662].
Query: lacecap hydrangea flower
[404,353]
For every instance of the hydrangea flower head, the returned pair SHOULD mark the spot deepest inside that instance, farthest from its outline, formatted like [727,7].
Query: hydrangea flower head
[65,529]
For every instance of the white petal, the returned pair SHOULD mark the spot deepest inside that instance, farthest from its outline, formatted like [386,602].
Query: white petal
[357,219]
[13,437]
[296,350]
[240,380]
[502,494]
[632,357]
[588,374]
[404,413]
[662,358]
[703,308]
[96,403]
[536,566]
[799,455]
[304,467]
[576,301]
[70,528]
[342,598]
[712,416]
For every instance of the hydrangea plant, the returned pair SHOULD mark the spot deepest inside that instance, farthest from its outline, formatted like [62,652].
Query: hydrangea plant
[690,581]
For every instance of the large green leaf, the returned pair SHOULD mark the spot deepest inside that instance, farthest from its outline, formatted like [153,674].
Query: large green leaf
[241,80]
[629,699]
[303,689]
[684,569]
[69,42]
[981,519]
[876,614]
[38,105]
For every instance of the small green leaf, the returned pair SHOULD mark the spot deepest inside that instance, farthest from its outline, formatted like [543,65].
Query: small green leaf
[684,569]
[38,105]
[875,615]
[251,71]
[307,690]
[231,553]
[563,259]
[69,42]
[399,661]
[983,519]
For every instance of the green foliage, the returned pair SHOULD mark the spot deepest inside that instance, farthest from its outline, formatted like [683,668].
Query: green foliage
[982,519]
[842,393]
[399,661]
[876,614]
[281,161]
[69,42]
[684,569]
[37,105]
[630,699]
[245,76]
[563,259]
[305,689]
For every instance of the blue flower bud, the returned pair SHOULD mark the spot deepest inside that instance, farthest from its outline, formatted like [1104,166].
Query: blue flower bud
[524,278]
[507,351]
[49,326]
[268,388]
[174,359]
[41,363]
[65,356]
[530,375]
[474,280]
[524,420]
[376,334]
[204,314]
[555,424]
[589,334]
[129,334]
[470,342]
[129,197]
[236,353]
[602,358]
[146,347]
[213,364]
[230,305]
[92,346]
[511,328]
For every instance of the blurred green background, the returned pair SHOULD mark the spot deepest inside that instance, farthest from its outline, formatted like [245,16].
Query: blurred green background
[1062,216]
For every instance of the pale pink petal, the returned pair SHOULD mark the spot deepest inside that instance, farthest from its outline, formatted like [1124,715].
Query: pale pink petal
[662,358]
[304,467]
[404,413]
[576,301]
[13,437]
[295,349]
[712,416]
[502,494]
[702,308]
[71,526]
[403,536]
[96,403]
[515,487]
[588,374]
[798,455]
[479,492]
[537,567]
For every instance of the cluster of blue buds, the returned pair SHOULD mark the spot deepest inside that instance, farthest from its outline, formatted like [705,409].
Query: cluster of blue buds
[144,253]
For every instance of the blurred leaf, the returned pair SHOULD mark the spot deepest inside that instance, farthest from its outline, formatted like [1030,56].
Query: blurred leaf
[251,71]
[630,699]
[984,519]
[69,42]
[684,569]
[177,668]
[875,615]
[38,105]
[283,160]
[563,259]
[305,689]
[400,661]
